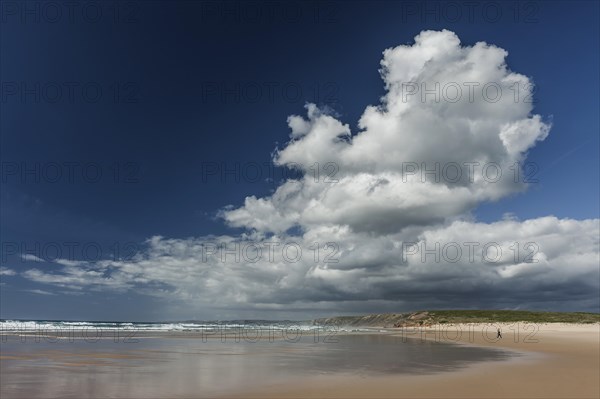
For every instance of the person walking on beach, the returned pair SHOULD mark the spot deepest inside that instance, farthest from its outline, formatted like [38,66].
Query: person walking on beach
[499,336]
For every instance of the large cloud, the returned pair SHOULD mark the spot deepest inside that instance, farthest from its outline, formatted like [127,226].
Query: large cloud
[457,109]
[374,212]
[525,264]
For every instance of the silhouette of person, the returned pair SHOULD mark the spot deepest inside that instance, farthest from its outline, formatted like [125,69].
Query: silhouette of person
[499,336]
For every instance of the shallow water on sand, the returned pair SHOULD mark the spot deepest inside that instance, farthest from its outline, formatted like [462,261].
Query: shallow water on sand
[165,366]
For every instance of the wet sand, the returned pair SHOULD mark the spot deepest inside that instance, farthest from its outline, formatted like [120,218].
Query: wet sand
[166,365]
[563,363]
[556,361]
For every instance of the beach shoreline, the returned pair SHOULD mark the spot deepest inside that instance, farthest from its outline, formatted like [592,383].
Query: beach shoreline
[563,363]
[547,360]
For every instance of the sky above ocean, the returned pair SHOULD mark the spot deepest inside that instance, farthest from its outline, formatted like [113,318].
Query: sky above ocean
[229,160]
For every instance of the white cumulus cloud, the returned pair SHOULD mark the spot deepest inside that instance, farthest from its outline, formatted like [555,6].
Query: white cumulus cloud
[386,224]
[472,144]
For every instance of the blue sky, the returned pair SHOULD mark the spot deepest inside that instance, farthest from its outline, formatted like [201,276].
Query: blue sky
[165,91]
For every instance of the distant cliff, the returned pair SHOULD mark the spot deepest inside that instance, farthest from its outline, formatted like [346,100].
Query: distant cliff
[430,317]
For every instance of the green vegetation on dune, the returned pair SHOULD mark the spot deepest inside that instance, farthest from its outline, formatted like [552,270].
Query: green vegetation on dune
[483,316]
[458,316]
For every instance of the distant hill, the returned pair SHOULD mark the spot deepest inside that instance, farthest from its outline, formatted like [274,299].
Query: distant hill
[430,317]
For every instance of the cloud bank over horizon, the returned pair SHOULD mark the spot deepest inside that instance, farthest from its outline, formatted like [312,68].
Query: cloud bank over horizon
[385,224]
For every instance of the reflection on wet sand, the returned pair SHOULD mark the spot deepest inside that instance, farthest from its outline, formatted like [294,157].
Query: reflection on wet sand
[168,367]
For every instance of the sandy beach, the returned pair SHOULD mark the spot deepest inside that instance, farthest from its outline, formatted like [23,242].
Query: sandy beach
[530,361]
[236,199]
[563,363]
